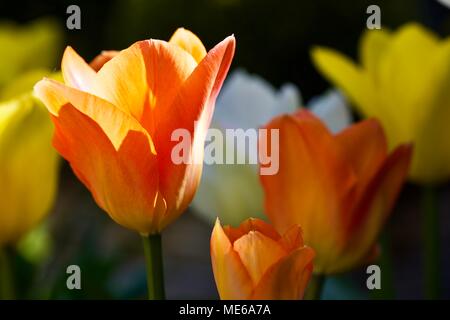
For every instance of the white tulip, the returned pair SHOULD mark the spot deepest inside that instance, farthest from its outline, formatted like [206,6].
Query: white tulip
[445,2]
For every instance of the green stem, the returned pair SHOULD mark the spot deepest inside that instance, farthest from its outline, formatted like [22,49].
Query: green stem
[315,287]
[431,241]
[154,264]
[385,262]
[6,275]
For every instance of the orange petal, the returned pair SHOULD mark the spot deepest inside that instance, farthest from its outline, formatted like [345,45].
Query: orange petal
[248,225]
[193,105]
[98,62]
[123,181]
[365,148]
[312,184]
[115,123]
[287,279]
[292,239]
[146,75]
[232,279]
[375,206]
[258,253]
[76,72]
[189,42]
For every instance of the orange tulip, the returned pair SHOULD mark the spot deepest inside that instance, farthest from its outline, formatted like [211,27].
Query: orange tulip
[339,188]
[254,262]
[113,123]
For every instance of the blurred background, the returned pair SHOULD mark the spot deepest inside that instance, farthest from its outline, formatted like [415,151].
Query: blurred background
[273,41]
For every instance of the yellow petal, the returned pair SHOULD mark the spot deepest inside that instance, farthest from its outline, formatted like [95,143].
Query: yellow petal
[347,76]
[28,166]
[34,45]
[231,276]
[189,42]
[115,123]
[373,47]
[258,253]
[431,161]
[408,80]
[76,72]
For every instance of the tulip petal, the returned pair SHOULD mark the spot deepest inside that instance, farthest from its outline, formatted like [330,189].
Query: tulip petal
[365,148]
[374,208]
[258,253]
[189,42]
[22,84]
[98,62]
[193,107]
[292,239]
[115,123]
[29,167]
[431,161]
[398,77]
[146,75]
[249,101]
[347,76]
[232,193]
[121,181]
[287,279]
[76,72]
[313,183]
[30,46]
[248,225]
[373,46]
[364,145]
[332,108]
[232,279]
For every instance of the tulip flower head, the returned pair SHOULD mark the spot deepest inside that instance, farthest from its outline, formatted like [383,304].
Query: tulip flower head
[404,81]
[114,123]
[28,163]
[445,2]
[340,188]
[254,262]
[35,45]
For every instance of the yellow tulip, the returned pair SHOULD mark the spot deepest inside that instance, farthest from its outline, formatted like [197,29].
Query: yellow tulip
[28,47]
[28,164]
[404,81]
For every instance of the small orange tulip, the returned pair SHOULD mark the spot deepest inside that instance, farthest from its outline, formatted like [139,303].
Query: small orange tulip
[339,188]
[114,120]
[254,262]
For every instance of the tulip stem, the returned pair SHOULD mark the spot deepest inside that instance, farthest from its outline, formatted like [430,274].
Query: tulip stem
[154,265]
[314,291]
[386,264]
[6,275]
[431,242]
